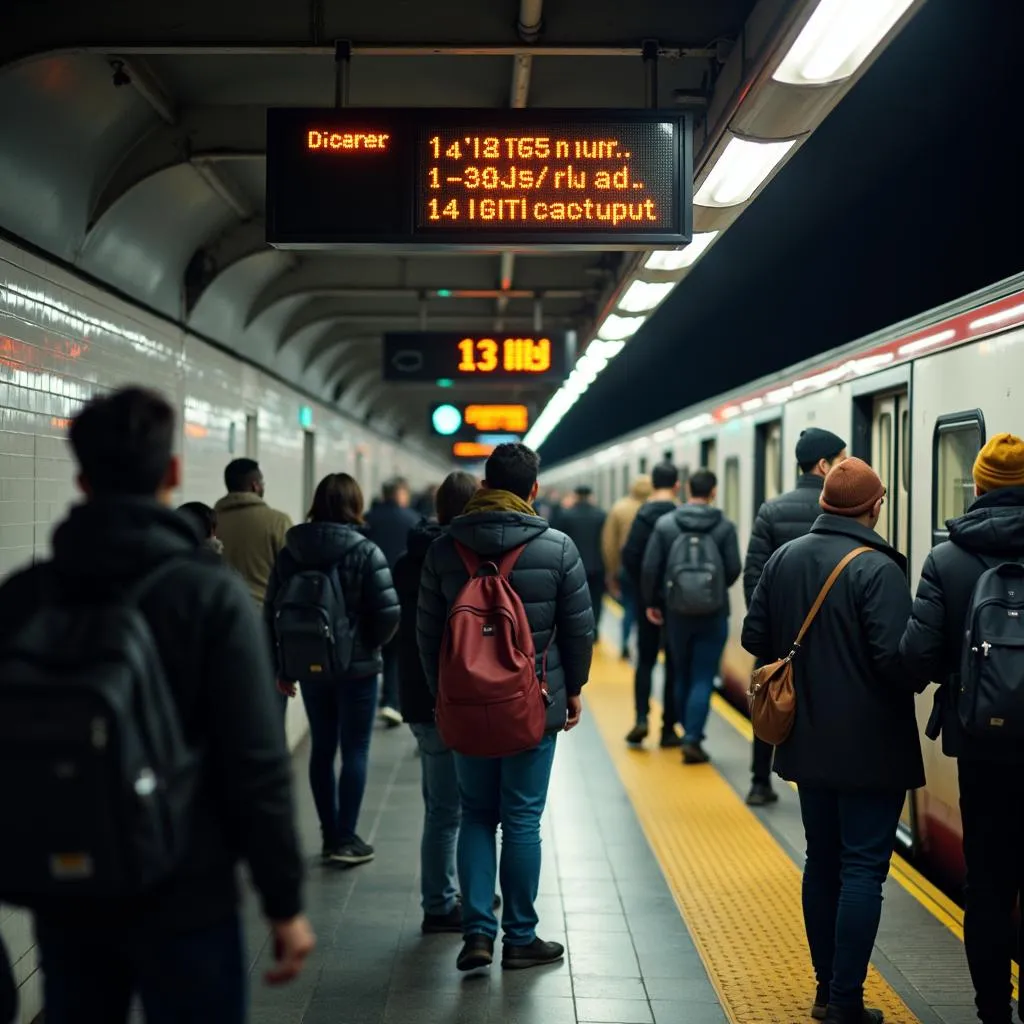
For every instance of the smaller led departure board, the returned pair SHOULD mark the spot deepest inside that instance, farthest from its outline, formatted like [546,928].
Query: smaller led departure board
[428,356]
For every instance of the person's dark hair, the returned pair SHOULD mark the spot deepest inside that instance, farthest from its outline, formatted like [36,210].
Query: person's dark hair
[240,474]
[389,490]
[702,483]
[338,499]
[453,494]
[584,491]
[806,467]
[123,442]
[512,467]
[664,476]
[202,517]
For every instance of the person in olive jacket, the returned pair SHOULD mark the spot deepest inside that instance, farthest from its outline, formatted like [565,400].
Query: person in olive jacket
[854,749]
[989,769]
[341,711]
[780,520]
[549,579]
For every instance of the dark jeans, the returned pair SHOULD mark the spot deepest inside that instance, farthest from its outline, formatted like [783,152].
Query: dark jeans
[389,684]
[596,586]
[850,839]
[90,973]
[697,646]
[648,644]
[992,809]
[340,715]
[628,602]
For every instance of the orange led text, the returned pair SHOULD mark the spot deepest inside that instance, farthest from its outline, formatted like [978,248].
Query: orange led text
[328,140]
[471,450]
[514,355]
[492,419]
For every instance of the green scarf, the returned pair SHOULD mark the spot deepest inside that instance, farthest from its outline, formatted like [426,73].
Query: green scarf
[498,501]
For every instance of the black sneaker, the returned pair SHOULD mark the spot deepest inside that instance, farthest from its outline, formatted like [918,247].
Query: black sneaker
[351,853]
[477,951]
[853,1015]
[694,753]
[820,1007]
[435,924]
[761,793]
[671,740]
[637,734]
[536,954]
[625,654]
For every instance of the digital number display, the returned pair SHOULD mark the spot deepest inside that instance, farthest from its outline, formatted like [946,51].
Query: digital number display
[437,355]
[479,178]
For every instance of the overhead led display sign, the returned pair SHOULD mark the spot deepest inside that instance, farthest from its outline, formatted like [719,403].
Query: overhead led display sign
[423,356]
[476,419]
[471,450]
[477,178]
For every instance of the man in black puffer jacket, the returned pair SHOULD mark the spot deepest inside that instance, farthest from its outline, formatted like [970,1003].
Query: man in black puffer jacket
[780,520]
[550,581]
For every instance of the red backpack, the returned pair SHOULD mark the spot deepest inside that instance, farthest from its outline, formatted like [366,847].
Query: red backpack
[490,701]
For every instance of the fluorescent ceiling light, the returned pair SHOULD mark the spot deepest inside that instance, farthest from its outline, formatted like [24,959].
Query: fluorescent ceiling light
[700,420]
[730,411]
[751,404]
[837,39]
[664,435]
[779,395]
[641,296]
[605,349]
[1002,317]
[677,259]
[928,341]
[640,444]
[740,170]
[618,328]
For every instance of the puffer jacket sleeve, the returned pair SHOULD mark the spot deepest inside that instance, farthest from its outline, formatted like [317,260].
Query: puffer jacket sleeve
[756,637]
[652,571]
[759,550]
[431,614]
[381,610]
[574,619]
[731,554]
[923,644]
[884,609]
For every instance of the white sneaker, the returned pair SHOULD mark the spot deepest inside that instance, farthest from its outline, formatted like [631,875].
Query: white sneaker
[390,717]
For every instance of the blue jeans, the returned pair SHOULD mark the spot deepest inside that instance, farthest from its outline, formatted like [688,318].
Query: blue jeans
[628,602]
[91,971]
[340,715]
[510,791]
[441,815]
[697,646]
[389,679]
[850,839]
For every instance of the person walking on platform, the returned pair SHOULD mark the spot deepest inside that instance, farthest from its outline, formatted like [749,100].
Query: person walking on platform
[981,561]
[204,519]
[583,523]
[691,561]
[853,750]
[331,605]
[613,540]
[544,570]
[389,523]
[780,520]
[650,635]
[127,631]
[442,909]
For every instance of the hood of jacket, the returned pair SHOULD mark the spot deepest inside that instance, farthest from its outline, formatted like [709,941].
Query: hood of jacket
[641,488]
[115,538]
[847,527]
[492,533]
[993,524]
[697,518]
[238,499]
[316,543]
[421,536]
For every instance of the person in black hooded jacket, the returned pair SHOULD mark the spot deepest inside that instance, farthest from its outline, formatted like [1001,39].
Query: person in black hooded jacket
[991,797]
[442,910]
[341,710]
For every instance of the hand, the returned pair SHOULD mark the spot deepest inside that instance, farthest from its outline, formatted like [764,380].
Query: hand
[288,689]
[656,616]
[613,588]
[575,712]
[293,942]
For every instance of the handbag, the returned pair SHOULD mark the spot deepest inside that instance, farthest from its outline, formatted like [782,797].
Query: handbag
[772,696]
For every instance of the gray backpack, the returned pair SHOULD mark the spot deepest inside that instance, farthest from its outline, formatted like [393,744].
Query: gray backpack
[695,576]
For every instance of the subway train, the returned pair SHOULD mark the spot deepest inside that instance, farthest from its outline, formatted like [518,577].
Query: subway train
[915,400]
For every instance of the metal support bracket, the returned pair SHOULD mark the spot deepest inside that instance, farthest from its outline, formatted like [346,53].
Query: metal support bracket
[342,68]
[649,52]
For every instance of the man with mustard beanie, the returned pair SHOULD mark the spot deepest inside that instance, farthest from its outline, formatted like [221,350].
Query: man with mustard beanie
[990,533]
[854,750]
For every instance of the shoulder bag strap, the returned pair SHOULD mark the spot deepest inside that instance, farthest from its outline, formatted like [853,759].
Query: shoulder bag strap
[508,560]
[470,559]
[823,593]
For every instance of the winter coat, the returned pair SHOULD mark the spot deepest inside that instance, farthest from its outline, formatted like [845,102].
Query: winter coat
[370,599]
[252,534]
[388,526]
[855,723]
[215,656]
[550,580]
[583,525]
[782,519]
[993,530]
[415,698]
[618,524]
[693,518]
[639,534]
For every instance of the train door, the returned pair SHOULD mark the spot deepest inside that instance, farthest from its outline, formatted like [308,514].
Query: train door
[709,454]
[252,436]
[308,468]
[890,457]
[767,462]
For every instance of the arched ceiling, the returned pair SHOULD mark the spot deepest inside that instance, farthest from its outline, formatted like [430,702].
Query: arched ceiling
[134,140]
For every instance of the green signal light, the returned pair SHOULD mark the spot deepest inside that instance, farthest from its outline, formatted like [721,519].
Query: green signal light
[446,419]
[445,382]
[444,293]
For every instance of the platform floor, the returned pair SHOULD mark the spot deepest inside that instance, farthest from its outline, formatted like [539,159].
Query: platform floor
[678,905]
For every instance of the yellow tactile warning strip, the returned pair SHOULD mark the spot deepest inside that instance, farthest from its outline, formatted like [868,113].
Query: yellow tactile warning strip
[737,889]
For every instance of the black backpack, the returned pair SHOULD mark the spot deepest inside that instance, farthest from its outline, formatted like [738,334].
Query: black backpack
[314,636]
[695,576]
[96,780]
[991,697]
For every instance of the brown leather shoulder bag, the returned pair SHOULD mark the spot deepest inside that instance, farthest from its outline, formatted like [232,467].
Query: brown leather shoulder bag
[772,695]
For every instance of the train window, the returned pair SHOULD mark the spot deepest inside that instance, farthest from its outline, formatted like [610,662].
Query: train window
[731,489]
[905,447]
[957,440]
[773,461]
[883,467]
[624,489]
[642,465]
[709,455]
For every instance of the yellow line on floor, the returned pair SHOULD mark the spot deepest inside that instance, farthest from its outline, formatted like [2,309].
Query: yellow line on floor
[735,886]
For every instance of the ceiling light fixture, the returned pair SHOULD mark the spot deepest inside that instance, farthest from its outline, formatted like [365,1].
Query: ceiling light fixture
[740,170]
[677,259]
[642,296]
[619,328]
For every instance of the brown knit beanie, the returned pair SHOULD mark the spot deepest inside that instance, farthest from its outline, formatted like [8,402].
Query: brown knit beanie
[851,488]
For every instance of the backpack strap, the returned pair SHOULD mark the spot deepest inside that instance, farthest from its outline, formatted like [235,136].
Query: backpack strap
[823,593]
[470,559]
[508,560]
[473,562]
